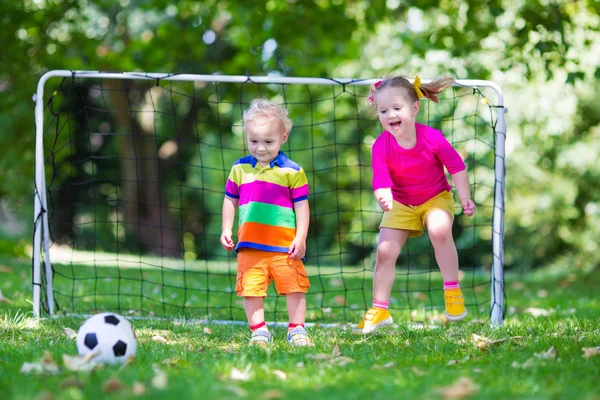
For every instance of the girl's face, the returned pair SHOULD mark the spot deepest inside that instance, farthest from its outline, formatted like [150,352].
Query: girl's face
[396,112]
[265,137]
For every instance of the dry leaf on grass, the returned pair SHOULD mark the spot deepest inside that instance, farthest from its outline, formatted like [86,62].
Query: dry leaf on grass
[46,365]
[336,351]
[590,351]
[138,389]
[549,354]
[159,339]
[207,330]
[3,299]
[272,394]
[280,374]
[237,375]
[72,381]
[384,366]
[537,312]
[526,365]
[461,389]
[160,379]
[238,391]
[5,268]
[113,384]
[79,363]
[484,343]
[335,358]
[71,334]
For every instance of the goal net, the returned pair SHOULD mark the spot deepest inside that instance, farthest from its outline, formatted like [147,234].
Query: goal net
[130,177]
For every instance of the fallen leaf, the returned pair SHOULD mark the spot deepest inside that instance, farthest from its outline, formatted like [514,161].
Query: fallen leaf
[3,299]
[273,394]
[207,330]
[537,312]
[5,268]
[549,354]
[336,351]
[526,365]
[238,391]
[72,381]
[384,366]
[461,389]
[46,365]
[517,285]
[71,334]
[280,374]
[79,363]
[590,351]
[159,339]
[418,372]
[160,379]
[237,375]
[113,384]
[138,389]
[484,343]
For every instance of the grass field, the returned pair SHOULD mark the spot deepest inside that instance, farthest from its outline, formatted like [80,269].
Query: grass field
[545,350]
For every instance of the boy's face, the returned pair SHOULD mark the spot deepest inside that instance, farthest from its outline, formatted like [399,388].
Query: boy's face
[265,137]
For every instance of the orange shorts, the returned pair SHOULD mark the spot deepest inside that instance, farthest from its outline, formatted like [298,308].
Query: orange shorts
[412,218]
[256,268]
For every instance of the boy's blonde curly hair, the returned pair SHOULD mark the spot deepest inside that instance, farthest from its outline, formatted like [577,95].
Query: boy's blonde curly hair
[263,108]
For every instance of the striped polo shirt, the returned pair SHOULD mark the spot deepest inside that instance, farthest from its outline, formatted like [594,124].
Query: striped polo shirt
[267,220]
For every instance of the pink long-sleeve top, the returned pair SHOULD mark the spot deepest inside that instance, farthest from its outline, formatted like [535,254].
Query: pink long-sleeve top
[414,175]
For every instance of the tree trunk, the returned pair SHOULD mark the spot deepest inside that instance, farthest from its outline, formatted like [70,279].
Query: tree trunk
[147,214]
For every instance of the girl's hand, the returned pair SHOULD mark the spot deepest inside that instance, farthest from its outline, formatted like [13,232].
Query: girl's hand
[468,207]
[297,249]
[226,240]
[384,198]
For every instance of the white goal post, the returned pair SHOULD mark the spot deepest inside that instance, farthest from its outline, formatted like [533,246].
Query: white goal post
[42,269]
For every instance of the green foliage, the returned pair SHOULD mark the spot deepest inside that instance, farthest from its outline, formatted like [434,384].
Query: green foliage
[516,43]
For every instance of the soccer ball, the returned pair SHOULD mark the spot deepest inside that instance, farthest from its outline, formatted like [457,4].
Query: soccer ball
[108,334]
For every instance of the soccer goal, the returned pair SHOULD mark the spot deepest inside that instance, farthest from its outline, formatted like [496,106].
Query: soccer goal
[130,171]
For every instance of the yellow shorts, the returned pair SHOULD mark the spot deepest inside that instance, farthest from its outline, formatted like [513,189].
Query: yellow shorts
[412,218]
[256,268]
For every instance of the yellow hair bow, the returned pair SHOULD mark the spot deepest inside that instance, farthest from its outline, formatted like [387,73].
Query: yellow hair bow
[417,85]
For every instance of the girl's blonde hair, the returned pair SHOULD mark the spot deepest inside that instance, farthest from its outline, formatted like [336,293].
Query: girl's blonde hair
[263,108]
[430,90]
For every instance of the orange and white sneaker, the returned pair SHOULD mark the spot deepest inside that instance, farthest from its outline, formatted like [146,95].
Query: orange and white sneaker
[374,319]
[455,304]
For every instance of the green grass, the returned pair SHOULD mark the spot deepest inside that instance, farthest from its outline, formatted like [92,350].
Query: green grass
[406,361]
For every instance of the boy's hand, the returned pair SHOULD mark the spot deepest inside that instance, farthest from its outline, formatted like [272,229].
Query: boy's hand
[384,198]
[226,240]
[468,206]
[297,249]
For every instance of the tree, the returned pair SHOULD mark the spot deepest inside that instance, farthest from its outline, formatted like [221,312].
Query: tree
[521,44]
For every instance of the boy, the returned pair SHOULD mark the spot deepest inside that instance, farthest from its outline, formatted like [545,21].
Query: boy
[271,192]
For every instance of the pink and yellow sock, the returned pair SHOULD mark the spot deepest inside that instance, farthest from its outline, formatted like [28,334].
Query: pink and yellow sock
[451,285]
[382,305]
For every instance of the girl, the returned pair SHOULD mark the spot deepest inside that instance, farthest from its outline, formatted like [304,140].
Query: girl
[410,186]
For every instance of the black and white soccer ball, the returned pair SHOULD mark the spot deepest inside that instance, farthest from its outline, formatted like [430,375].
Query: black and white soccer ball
[108,334]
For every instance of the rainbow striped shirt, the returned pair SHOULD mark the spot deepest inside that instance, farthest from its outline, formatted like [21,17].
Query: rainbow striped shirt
[267,220]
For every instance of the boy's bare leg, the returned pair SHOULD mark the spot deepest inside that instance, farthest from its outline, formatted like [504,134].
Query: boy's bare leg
[296,304]
[255,310]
